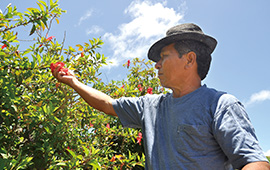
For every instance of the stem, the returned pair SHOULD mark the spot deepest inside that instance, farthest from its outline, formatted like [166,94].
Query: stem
[24,23]
[64,39]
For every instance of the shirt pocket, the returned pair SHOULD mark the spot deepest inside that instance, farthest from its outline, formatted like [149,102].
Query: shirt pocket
[197,130]
[194,140]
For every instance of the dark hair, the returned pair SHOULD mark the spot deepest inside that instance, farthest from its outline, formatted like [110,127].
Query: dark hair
[203,54]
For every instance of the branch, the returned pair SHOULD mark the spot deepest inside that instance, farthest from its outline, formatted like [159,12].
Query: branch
[24,23]
[64,39]
[50,24]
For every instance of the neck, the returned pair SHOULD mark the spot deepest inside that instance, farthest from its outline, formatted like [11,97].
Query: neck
[186,89]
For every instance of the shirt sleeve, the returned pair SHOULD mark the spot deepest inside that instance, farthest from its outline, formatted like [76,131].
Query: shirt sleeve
[129,111]
[235,134]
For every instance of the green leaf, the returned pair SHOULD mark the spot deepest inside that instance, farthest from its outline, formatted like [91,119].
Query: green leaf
[47,130]
[38,58]
[38,22]
[24,162]
[32,30]
[79,45]
[80,157]
[35,11]
[2,54]
[95,164]
[44,3]
[45,109]
[51,3]
[56,119]
[72,153]
[86,151]
[98,56]
[40,6]
[50,107]
[11,38]
[54,5]
[94,151]
[26,52]
[61,164]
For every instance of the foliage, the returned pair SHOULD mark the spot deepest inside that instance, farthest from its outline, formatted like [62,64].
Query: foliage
[45,124]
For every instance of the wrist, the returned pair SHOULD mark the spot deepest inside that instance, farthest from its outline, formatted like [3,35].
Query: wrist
[74,83]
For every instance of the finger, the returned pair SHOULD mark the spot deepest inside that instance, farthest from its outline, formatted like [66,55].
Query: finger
[71,73]
[56,71]
[61,73]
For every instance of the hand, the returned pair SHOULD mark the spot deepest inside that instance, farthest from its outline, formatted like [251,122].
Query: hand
[63,77]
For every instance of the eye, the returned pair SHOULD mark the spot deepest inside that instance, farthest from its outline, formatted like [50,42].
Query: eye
[164,56]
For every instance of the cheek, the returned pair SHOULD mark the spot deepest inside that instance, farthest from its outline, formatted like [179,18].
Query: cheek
[168,71]
[171,67]
[174,70]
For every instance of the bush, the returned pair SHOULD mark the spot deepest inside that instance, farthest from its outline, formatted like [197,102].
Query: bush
[45,124]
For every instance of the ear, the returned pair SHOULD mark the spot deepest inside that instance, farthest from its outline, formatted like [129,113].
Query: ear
[190,59]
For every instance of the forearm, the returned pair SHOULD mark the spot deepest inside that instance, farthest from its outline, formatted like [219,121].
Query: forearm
[94,98]
[257,166]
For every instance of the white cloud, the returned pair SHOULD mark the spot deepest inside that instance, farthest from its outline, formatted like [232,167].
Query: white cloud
[149,23]
[95,29]
[267,153]
[259,97]
[87,15]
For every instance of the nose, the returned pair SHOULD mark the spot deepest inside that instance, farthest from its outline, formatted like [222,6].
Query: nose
[158,64]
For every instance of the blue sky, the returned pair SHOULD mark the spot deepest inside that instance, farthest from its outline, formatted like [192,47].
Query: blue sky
[240,64]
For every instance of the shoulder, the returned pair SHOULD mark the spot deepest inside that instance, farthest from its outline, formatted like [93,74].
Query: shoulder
[217,100]
[226,100]
[229,104]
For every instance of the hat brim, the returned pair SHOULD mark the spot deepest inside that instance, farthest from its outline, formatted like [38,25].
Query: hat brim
[155,49]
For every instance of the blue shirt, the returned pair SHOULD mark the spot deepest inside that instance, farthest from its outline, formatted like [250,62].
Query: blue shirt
[205,129]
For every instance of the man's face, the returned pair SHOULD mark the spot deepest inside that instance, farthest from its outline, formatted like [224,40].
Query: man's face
[171,68]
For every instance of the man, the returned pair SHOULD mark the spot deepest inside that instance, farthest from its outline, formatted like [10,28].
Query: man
[194,127]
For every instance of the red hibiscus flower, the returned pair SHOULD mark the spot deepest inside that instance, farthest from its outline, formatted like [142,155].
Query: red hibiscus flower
[150,90]
[108,126]
[139,138]
[62,68]
[50,38]
[47,39]
[128,63]
[4,46]
[140,87]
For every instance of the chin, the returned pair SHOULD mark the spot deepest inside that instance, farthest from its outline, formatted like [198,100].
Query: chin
[163,85]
